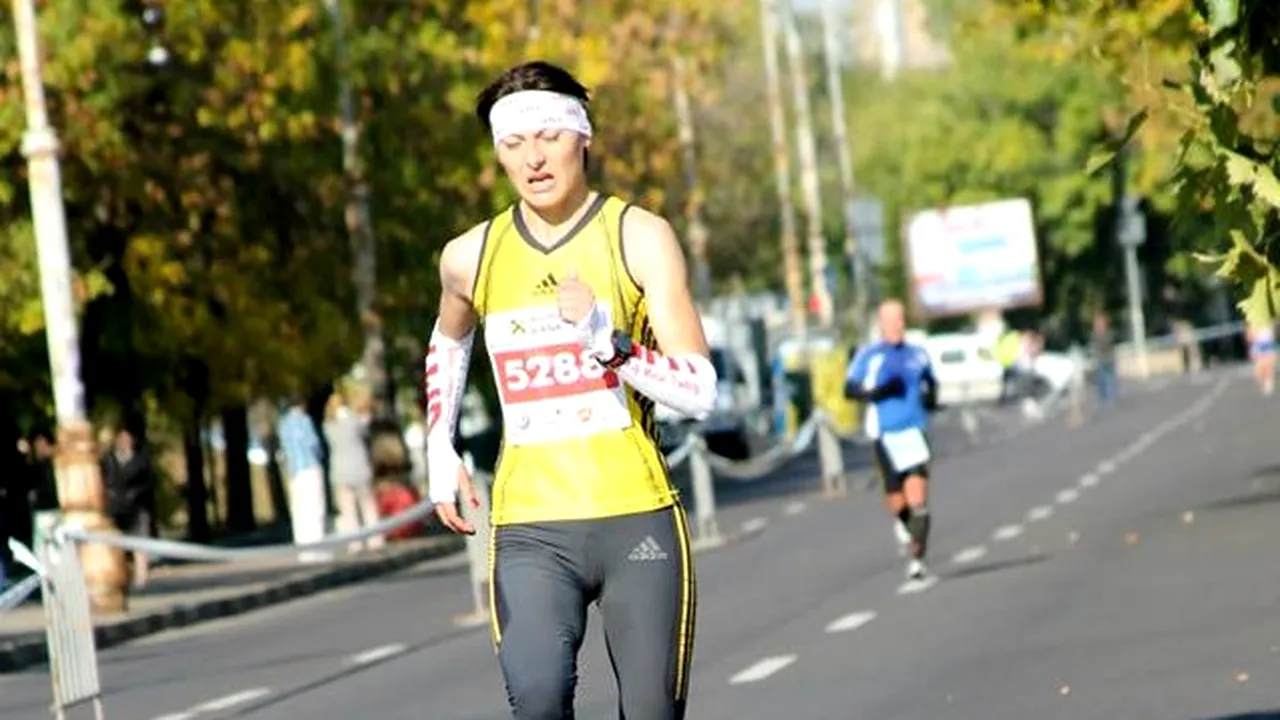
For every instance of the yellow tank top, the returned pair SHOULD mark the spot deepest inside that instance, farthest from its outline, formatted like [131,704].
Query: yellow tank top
[577,443]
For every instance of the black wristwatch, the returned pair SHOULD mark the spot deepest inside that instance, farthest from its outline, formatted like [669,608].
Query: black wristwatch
[623,350]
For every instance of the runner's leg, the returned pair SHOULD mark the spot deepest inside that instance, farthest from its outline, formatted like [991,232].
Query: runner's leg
[916,490]
[648,605]
[539,615]
[895,502]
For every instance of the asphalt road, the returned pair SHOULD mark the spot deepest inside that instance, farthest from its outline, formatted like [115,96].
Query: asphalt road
[1124,569]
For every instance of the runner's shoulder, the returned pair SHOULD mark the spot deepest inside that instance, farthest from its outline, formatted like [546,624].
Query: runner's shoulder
[644,231]
[460,257]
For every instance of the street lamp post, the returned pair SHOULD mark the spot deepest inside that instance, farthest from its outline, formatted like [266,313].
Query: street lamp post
[81,493]
[1132,233]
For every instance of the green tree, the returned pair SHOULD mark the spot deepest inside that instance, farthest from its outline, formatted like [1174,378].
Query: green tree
[1204,74]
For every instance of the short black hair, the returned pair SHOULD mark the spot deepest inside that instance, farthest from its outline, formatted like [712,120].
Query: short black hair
[535,75]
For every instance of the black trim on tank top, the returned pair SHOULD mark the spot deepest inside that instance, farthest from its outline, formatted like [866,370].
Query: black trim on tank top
[480,263]
[532,242]
[622,248]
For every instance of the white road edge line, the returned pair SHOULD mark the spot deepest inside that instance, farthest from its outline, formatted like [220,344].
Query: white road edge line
[1007,532]
[852,621]
[762,669]
[755,524]
[229,701]
[375,654]
[969,554]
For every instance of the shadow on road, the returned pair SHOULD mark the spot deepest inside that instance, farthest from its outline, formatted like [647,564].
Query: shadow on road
[978,570]
[1261,715]
[1241,501]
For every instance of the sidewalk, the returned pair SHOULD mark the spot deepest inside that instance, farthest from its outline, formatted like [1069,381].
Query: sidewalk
[187,594]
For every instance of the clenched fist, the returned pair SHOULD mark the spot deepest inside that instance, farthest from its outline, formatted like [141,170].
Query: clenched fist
[574,299]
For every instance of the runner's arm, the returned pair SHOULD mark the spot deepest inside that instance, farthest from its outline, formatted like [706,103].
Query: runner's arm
[928,383]
[681,375]
[860,382]
[445,371]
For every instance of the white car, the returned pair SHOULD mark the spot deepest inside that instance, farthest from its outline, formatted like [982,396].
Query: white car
[966,370]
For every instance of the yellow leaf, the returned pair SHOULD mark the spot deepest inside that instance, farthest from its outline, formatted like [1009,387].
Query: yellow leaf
[299,16]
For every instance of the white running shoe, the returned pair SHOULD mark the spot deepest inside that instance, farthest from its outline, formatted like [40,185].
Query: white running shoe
[916,570]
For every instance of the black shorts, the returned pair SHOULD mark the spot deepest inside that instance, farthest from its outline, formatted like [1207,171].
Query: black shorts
[892,480]
[637,568]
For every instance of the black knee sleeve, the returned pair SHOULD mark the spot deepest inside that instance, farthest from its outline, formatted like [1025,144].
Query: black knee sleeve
[918,526]
[905,515]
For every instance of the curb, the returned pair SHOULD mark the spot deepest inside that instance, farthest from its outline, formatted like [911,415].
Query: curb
[31,649]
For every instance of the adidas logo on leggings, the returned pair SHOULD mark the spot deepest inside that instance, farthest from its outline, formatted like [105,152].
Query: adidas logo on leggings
[648,549]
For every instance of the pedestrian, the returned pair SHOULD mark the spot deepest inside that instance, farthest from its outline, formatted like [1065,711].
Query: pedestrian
[130,480]
[1102,345]
[350,469]
[304,461]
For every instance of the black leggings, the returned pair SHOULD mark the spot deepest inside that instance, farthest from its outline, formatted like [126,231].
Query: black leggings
[639,568]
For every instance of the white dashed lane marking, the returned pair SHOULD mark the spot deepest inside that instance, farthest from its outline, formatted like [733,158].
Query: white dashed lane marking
[762,669]
[911,587]
[229,701]
[755,524]
[1106,468]
[218,704]
[794,508]
[375,654]
[1007,532]
[969,554]
[1067,496]
[1089,480]
[1043,512]
[852,621]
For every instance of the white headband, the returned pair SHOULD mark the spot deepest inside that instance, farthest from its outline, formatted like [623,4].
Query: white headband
[532,110]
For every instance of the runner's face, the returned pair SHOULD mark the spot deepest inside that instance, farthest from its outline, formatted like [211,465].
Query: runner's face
[892,323]
[545,167]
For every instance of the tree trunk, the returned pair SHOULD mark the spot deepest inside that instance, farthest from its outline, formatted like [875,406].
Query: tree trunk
[808,171]
[275,480]
[839,124]
[239,482]
[698,234]
[364,251]
[793,275]
[197,493]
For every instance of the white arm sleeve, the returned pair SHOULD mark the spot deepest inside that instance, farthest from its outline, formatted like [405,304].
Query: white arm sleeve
[686,383]
[446,377]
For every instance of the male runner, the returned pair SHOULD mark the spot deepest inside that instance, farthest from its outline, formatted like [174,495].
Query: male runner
[588,322]
[896,381]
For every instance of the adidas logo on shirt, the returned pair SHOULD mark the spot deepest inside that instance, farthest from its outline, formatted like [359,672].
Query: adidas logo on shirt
[648,549]
[546,286]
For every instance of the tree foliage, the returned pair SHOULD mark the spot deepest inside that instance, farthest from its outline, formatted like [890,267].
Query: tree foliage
[1003,120]
[205,193]
[1204,74]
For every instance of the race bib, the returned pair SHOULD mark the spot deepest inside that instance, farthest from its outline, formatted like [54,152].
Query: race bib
[550,387]
[906,448]
[549,372]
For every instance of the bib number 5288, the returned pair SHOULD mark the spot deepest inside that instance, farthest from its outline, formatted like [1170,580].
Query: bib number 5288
[551,372]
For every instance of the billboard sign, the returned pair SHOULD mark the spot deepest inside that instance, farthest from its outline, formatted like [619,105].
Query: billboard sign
[973,258]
